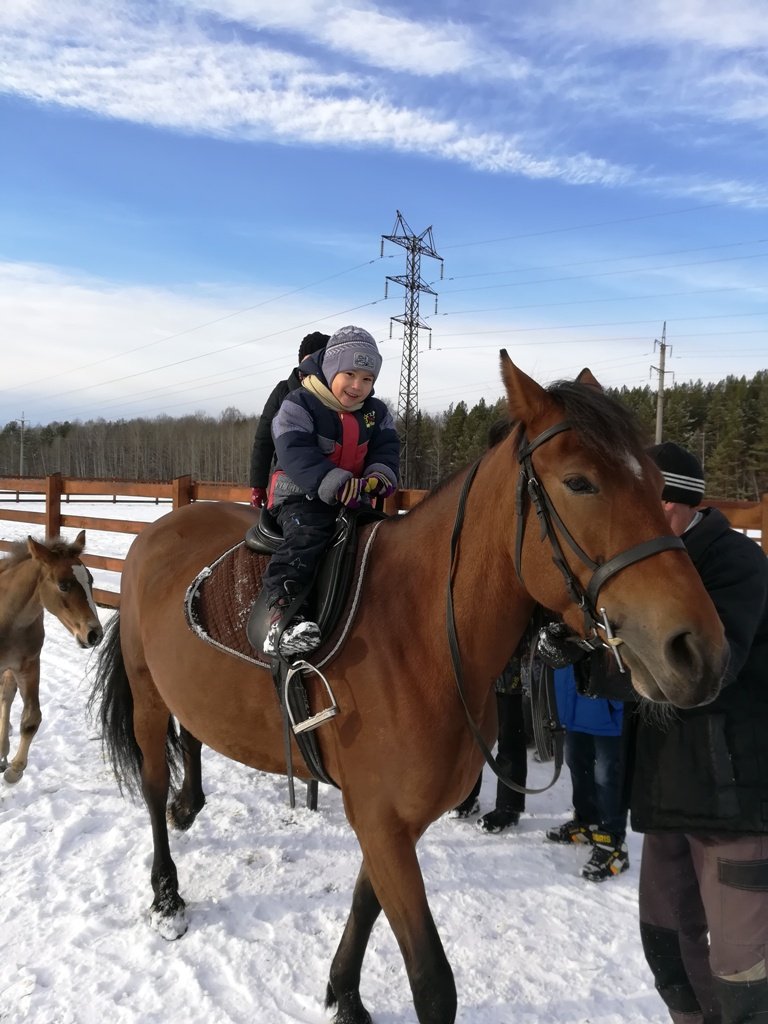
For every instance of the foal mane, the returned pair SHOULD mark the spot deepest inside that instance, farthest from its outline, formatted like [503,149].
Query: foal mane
[19,552]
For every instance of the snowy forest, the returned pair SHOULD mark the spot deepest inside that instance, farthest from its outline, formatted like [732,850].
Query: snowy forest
[725,424]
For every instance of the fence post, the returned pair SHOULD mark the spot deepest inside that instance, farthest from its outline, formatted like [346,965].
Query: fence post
[53,488]
[764,522]
[182,491]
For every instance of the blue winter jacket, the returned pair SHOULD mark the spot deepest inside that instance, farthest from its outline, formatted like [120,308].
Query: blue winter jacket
[596,715]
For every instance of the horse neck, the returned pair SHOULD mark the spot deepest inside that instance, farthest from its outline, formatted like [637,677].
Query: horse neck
[491,607]
[20,602]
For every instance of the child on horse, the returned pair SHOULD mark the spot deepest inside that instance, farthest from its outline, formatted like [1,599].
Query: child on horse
[335,445]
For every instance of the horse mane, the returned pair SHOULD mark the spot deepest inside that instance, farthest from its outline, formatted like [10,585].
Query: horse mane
[604,423]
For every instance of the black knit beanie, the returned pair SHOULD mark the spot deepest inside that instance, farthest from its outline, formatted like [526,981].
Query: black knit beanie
[312,343]
[682,472]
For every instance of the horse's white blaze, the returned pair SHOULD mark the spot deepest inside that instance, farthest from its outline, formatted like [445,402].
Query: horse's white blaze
[634,465]
[81,575]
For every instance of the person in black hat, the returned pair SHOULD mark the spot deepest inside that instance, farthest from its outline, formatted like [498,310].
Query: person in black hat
[263,450]
[699,786]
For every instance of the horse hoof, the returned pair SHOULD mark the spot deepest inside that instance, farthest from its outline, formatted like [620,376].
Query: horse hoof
[170,926]
[181,816]
[12,775]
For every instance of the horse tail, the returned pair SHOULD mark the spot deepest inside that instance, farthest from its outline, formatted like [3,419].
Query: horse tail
[111,703]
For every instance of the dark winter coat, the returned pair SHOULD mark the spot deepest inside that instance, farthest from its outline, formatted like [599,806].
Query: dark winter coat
[263,446]
[706,769]
[319,449]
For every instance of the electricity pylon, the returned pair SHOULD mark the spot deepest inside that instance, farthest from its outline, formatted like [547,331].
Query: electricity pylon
[415,246]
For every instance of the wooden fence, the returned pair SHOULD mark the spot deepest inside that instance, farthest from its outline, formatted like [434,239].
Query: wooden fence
[57,490]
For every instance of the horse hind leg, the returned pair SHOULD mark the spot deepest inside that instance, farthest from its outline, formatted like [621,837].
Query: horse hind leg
[190,799]
[343,988]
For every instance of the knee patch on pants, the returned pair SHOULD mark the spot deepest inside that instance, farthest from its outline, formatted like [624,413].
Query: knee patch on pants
[662,951]
[743,1002]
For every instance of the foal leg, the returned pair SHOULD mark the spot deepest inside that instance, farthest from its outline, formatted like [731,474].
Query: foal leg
[27,678]
[7,693]
[190,799]
[344,983]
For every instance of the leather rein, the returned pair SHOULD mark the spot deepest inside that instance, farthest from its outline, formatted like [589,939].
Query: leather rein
[530,489]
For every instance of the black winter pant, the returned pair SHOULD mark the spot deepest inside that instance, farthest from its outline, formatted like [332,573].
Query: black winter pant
[704,925]
[308,527]
[511,753]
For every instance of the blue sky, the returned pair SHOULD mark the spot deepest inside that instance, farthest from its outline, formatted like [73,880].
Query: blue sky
[187,189]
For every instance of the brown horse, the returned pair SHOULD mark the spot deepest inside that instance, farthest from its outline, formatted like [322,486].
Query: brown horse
[401,749]
[34,578]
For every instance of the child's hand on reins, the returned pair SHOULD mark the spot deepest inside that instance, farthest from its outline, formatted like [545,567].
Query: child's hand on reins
[377,485]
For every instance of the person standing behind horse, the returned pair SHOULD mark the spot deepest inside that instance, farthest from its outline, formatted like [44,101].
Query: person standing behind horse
[336,445]
[590,704]
[263,449]
[511,757]
[512,749]
[700,788]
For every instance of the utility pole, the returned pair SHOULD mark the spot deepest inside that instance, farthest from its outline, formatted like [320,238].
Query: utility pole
[21,446]
[415,246]
[661,372]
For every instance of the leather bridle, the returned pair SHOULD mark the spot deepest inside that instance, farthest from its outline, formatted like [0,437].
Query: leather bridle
[530,488]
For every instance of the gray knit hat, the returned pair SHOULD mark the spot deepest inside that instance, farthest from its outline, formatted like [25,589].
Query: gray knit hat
[682,472]
[350,348]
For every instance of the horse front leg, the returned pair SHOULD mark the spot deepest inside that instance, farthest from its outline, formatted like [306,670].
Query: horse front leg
[395,874]
[7,693]
[167,913]
[27,678]
[190,799]
[344,981]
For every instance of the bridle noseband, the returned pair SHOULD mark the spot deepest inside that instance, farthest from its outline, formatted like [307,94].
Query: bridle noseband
[529,487]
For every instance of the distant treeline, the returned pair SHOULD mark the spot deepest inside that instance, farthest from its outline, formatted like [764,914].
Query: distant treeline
[725,424]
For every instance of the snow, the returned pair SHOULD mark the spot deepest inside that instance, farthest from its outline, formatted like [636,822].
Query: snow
[268,891]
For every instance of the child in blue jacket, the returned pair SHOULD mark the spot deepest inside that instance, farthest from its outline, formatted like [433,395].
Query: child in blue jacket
[595,752]
[335,444]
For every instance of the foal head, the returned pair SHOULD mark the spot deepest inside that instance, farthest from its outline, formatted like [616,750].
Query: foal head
[65,587]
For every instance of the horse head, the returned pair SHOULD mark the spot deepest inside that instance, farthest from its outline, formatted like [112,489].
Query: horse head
[593,544]
[65,587]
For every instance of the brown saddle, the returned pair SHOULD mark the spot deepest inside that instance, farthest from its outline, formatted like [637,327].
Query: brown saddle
[226,604]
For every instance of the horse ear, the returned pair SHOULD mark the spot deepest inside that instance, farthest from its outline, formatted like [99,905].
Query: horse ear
[525,397]
[38,550]
[79,542]
[587,377]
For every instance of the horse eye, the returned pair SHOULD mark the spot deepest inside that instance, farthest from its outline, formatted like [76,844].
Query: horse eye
[580,485]
[65,586]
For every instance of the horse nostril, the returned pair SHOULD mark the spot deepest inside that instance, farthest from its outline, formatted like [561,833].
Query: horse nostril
[94,637]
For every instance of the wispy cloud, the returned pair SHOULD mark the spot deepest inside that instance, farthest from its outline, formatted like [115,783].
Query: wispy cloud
[342,75]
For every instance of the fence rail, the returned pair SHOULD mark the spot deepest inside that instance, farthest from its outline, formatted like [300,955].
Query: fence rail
[57,490]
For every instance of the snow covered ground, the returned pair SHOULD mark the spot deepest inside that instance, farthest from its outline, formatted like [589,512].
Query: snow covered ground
[268,891]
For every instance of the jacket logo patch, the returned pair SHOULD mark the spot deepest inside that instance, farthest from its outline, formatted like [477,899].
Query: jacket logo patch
[369,418]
